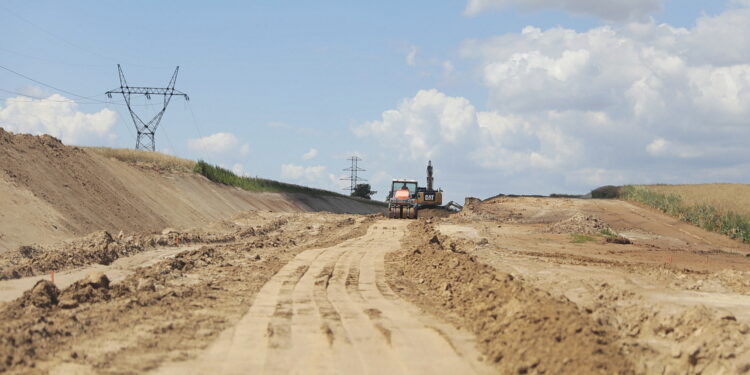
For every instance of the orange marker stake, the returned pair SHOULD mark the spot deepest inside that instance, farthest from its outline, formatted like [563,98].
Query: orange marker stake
[52,276]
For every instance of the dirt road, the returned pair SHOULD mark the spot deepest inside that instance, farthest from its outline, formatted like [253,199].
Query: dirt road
[330,310]
[521,285]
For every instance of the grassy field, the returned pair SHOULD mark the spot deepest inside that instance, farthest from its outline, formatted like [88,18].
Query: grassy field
[715,210]
[157,159]
[723,197]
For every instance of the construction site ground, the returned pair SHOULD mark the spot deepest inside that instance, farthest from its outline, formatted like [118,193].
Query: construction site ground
[509,285]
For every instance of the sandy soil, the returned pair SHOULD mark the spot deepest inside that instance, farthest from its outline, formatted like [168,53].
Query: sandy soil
[330,310]
[675,300]
[165,309]
[510,285]
[53,192]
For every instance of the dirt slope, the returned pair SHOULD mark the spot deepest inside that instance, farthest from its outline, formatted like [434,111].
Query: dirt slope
[675,300]
[52,192]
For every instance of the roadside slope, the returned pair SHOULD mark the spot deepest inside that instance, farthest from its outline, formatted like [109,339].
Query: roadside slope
[57,192]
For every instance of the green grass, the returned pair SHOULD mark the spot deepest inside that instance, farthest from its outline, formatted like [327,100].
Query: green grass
[729,223]
[581,238]
[608,233]
[227,177]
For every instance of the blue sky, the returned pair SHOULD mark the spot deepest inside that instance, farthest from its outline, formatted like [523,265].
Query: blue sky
[289,90]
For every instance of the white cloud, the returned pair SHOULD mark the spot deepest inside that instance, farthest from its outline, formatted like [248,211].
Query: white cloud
[310,154]
[636,103]
[421,124]
[610,10]
[433,124]
[411,56]
[657,146]
[244,149]
[316,176]
[298,172]
[34,91]
[219,143]
[238,169]
[447,68]
[631,93]
[58,116]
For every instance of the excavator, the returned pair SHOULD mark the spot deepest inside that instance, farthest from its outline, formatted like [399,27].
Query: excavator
[406,198]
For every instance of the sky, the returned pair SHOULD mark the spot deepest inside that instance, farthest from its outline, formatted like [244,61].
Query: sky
[504,96]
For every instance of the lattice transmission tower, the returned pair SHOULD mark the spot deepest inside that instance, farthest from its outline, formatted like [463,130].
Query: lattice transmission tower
[146,130]
[353,178]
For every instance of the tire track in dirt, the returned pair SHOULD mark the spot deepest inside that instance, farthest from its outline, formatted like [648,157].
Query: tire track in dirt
[330,310]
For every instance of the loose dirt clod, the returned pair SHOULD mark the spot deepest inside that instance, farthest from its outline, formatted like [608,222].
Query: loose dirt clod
[177,305]
[618,240]
[520,329]
[580,223]
[43,295]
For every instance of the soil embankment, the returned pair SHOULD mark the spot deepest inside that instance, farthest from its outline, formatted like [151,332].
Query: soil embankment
[53,192]
[671,298]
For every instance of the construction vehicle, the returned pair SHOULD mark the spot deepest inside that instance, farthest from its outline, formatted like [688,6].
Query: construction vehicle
[407,198]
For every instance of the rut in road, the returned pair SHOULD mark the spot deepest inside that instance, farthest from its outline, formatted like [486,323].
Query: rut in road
[330,310]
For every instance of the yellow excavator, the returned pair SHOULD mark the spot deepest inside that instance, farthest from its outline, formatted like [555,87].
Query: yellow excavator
[407,198]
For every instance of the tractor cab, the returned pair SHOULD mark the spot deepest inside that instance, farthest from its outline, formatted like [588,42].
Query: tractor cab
[403,190]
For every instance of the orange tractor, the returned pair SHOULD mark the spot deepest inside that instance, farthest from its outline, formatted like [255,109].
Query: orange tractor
[407,198]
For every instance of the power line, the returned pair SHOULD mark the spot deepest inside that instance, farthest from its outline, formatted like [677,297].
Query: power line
[50,86]
[67,100]
[39,98]
[198,129]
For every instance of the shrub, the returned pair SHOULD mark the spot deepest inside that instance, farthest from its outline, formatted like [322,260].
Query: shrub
[606,192]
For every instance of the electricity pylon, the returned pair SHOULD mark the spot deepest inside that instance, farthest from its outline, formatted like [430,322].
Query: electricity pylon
[353,178]
[146,130]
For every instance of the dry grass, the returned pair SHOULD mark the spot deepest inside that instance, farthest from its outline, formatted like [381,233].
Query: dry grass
[723,197]
[138,157]
[714,207]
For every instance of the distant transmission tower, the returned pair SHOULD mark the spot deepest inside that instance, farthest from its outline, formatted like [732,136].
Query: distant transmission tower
[146,130]
[353,178]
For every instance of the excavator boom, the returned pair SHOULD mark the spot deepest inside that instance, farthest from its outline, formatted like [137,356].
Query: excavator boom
[406,198]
